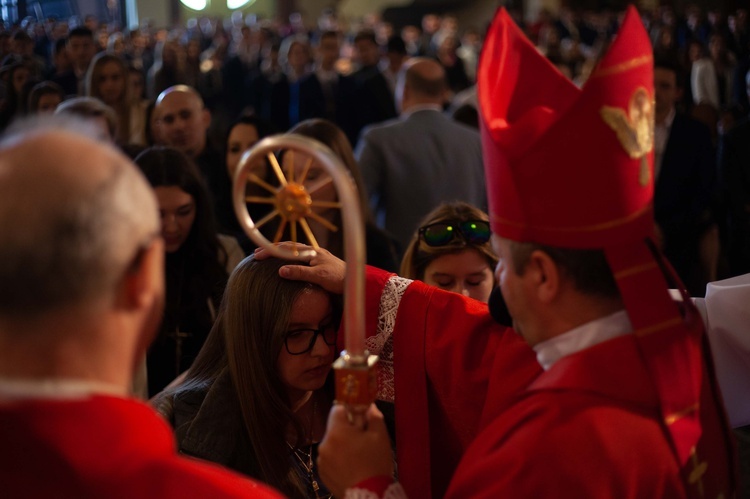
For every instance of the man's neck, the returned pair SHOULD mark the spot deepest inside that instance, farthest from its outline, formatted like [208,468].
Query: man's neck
[89,347]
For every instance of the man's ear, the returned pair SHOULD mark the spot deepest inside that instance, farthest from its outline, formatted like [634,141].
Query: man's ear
[144,280]
[546,276]
[206,118]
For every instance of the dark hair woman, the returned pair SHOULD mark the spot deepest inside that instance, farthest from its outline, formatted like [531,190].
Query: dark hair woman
[381,250]
[258,395]
[243,134]
[198,261]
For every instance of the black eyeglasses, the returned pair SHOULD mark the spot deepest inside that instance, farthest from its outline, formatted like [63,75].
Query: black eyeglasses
[442,233]
[301,341]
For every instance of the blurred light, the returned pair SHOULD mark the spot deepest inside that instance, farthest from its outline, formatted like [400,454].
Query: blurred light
[195,4]
[236,4]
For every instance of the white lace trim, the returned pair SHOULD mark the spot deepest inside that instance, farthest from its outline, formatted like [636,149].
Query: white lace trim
[394,491]
[381,343]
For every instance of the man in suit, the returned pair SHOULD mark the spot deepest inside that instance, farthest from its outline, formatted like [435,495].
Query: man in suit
[735,184]
[326,93]
[81,295]
[375,101]
[80,48]
[184,122]
[684,167]
[421,159]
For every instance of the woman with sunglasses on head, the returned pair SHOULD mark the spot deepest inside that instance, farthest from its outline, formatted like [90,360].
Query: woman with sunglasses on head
[258,395]
[451,250]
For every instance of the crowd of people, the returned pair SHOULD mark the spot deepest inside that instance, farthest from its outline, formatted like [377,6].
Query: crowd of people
[133,137]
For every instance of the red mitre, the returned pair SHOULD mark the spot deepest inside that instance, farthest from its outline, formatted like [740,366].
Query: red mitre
[571,167]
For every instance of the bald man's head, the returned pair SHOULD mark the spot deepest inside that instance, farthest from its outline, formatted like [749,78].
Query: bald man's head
[421,81]
[183,119]
[74,213]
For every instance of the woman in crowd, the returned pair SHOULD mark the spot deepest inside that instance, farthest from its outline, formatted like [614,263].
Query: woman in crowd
[15,72]
[258,395]
[244,134]
[45,97]
[107,80]
[198,261]
[451,250]
[381,250]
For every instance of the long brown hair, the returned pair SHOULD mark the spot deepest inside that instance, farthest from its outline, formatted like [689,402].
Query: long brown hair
[122,106]
[332,136]
[247,338]
[419,255]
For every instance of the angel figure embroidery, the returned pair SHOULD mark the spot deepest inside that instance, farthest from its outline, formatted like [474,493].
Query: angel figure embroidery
[635,130]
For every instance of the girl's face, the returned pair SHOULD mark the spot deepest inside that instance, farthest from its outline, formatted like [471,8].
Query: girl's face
[468,273]
[177,211]
[308,371]
[111,83]
[241,138]
[20,77]
[48,103]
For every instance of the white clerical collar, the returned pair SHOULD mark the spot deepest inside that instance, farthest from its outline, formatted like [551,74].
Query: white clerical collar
[592,333]
[56,389]
[421,107]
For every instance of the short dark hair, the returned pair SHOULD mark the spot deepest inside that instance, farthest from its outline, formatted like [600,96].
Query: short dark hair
[396,45]
[366,35]
[670,65]
[588,268]
[81,31]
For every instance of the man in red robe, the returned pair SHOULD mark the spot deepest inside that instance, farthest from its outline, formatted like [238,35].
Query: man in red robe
[81,292]
[627,404]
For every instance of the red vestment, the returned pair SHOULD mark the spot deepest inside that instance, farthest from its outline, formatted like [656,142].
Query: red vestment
[588,427]
[591,427]
[103,446]
[454,369]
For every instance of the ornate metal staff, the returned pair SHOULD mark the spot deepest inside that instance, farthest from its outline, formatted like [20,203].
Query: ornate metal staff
[293,204]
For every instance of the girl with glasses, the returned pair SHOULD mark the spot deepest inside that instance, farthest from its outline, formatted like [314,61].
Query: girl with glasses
[258,395]
[451,250]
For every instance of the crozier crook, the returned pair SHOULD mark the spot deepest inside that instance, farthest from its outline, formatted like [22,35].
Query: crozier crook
[293,204]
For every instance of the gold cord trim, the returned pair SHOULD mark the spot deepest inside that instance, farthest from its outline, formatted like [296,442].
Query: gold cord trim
[623,66]
[676,416]
[658,327]
[590,228]
[634,270]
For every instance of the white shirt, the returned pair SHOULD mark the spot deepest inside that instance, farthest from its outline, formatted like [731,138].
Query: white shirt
[592,333]
[59,389]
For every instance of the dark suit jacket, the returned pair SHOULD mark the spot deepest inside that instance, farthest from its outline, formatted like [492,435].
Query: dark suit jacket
[374,102]
[68,81]
[683,195]
[735,188]
[314,103]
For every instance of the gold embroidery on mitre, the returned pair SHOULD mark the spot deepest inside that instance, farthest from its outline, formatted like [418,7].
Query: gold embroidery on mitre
[676,416]
[634,130]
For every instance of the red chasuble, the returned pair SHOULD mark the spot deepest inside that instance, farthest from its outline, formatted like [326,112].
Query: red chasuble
[455,368]
[103,447]
[591,427]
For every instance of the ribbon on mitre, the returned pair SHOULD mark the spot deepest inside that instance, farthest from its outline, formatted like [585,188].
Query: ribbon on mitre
[573,168]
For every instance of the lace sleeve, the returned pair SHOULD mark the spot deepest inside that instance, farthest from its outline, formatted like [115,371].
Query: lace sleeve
[381,343]
[394,491]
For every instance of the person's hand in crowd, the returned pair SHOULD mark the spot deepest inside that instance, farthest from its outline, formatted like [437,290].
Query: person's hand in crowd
[349,454]
[325,270]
